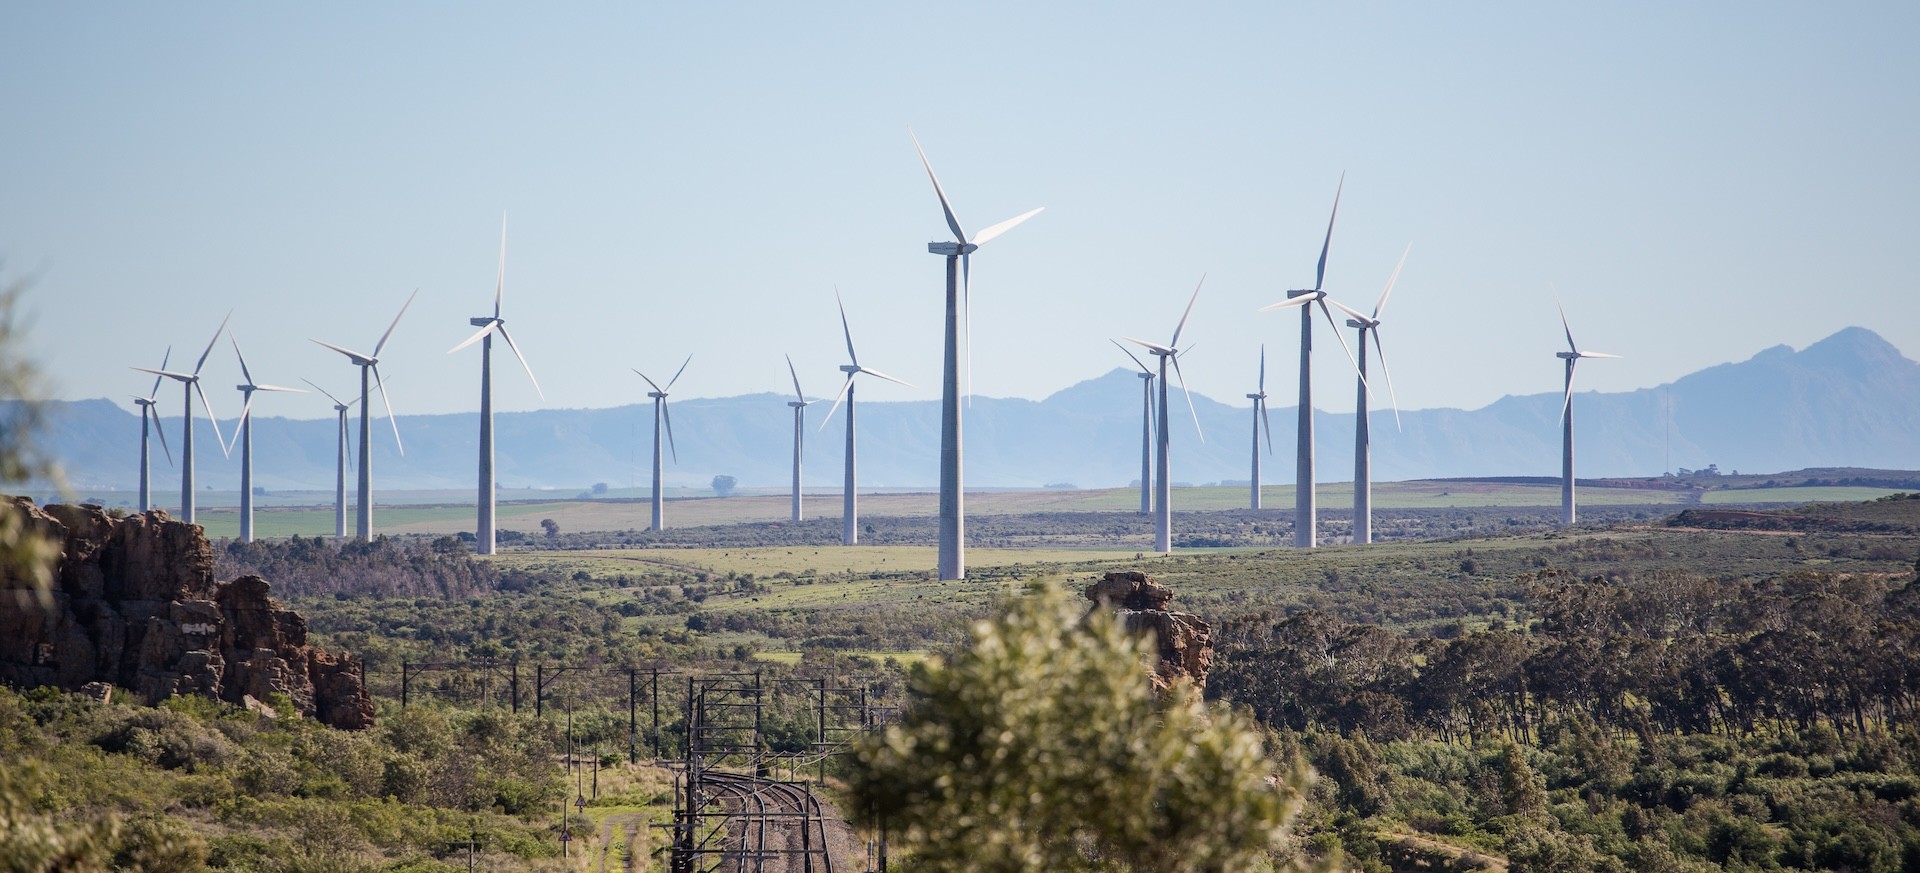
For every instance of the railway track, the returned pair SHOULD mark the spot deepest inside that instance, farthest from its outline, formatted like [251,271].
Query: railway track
[770,826]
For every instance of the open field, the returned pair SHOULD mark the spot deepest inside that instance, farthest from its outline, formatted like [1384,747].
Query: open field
[412,513]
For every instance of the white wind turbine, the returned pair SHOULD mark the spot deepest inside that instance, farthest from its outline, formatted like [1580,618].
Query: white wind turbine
[483,529]
[953,562]
[849,508]
[661,413]
[1572,355]
[1260,416]
[191,383]
[363,511]
[1163,488]
[340,475]
[1362,436]
[150,423]
[243,435]
[1146,430]
[1304,532]
[799,404]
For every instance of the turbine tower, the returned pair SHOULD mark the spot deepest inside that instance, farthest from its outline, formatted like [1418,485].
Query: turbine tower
[483,529]
[1260,416]
[243,435]
[340,475]
[1146,430]
[1362,437]
[958,252]
[1169,353]
[1304,532]
[1572,355]
[850,504]
[191,385]
[660,414]
[799,404]
[150,423]
[363,511]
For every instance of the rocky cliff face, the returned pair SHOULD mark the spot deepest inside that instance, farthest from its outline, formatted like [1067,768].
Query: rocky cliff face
[135,604]
[1185,640]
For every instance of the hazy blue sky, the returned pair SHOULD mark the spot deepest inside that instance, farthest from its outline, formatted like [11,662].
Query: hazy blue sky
[1699,180]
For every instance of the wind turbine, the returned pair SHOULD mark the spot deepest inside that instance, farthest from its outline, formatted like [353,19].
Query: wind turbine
[244,436]
[660,413]
[1169,353]
[150,422]
[799,404]
[483,529]
[191,385]
[340,476]
[1362,437]
[1260,416]
[1304,532]
[953,561]
[1572,356]
[849,508]
[363,511]
[1146,430]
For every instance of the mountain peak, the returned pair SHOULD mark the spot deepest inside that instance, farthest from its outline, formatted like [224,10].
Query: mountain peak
[1854,344]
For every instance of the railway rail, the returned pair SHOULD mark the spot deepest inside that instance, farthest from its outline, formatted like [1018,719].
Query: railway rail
[768,826]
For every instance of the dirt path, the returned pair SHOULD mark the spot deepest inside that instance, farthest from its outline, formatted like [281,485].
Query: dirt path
[622,844]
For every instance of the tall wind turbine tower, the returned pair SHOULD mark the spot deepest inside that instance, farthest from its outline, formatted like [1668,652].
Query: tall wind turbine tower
[661,413]
[150,423]
[191,385]
[959,252]
[849,500]
[1146,430]
[340,474]
[1163,483]
[483,529]
[1572,356]
[1362,437]
[363,511]
[1260,417]
[244,436]
[799,404]
[1305,534]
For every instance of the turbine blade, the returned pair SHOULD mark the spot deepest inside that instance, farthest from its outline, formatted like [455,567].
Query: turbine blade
[1266,418]
[886,377]
[1381,353]
[156,380]
[844,386]
[1597,355]
[985,236]
[1320,273]
[852,358]
[354,356]
[666,411]
[161,431]
[683,369]
[1390,281]
[316,387]
[279,388]
[1343,343]
[1566,403]
[1154,346]
[211,418]
[522,358]
[216,338]
[1571,345]
[343,438]
[1189,396]
[649,381]
[1129,353]
[183,377]
[797,393]
[1263,369]
[953,222]
[244,372]
[473,339]
[1349,310]
[389,404]
[1175,343]
[1287,304]
[246,409]
[500,278]
[396,323]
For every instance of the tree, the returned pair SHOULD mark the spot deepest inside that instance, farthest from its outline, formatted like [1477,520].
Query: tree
[599,488]
[723,485]
[551,527]
[26,555]
[1041,746]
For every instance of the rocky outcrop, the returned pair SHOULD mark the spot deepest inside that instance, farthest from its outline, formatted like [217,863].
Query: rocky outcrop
[1184,640]
[134,604]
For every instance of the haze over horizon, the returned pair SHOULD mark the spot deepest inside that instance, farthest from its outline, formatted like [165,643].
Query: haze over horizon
[1698,184]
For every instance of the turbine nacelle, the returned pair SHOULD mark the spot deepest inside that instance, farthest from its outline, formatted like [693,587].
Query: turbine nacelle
[951,249]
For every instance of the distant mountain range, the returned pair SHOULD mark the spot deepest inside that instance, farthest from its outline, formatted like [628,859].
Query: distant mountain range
[1849,400]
